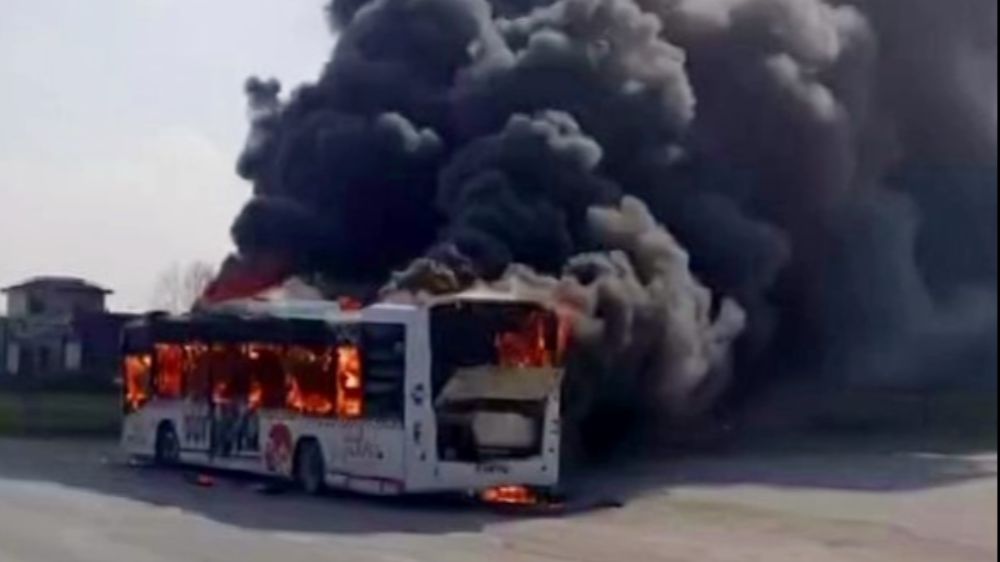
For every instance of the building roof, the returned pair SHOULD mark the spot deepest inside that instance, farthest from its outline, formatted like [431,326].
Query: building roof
[58,282]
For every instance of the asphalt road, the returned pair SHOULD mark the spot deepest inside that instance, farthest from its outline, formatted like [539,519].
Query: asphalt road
[76,502]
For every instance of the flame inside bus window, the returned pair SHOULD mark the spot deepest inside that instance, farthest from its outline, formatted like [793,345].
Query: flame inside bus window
[226,363]
[564,336]
[350,392]
[256,397]
[506,334]
[256,365]
[197,378]
[527,345]
[169,371]
[311,380]
[264,364]
[138,371]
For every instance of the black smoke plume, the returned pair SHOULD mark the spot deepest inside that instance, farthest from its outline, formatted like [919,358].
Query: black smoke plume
[825,171]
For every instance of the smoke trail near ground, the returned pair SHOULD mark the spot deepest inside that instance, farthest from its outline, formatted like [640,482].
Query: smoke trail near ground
[824,171]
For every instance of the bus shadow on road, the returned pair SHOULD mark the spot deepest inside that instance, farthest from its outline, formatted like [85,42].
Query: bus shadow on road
[252,503]
[248,501]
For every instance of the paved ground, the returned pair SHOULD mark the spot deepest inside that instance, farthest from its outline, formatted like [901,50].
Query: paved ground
[73,502]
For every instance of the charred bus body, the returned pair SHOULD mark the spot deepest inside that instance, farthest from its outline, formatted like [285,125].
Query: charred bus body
[459,394]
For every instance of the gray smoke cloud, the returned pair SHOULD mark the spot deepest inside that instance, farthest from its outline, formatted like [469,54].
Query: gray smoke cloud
[650,327]
[825,171]
[521,195]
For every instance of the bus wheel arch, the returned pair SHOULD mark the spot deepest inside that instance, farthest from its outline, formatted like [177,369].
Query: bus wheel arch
[309,465]
[167,448]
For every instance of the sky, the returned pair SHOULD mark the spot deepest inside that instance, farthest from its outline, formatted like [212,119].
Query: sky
[120,124]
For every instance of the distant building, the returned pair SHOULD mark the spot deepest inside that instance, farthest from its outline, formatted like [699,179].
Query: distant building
[58,326]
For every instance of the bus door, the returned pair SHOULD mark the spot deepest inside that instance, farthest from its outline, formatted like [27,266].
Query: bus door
[234,403]
[182,374]
[248,379]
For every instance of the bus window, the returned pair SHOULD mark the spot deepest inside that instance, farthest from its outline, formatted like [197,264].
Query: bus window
[527,343]
[513,336]
[235,427]
[350,384]
[169,374]
[230,380]
[384,359]
[312,379]
[138,371]
[197,375]
[267,377]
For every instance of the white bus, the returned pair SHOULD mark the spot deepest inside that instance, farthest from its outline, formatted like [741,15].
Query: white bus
[461,394]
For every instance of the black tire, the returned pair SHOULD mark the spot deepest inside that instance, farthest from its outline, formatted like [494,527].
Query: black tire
[168,446]
[310,468]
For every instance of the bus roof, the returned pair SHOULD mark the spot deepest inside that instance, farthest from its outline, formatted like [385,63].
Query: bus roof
[480,294]
[222,328]
[319,309]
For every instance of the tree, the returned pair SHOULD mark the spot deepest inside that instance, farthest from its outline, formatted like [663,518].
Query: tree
[179,286]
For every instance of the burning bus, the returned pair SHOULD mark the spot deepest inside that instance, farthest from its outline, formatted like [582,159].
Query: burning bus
[457,394]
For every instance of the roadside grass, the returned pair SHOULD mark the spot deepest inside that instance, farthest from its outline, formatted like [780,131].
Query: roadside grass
[59,413]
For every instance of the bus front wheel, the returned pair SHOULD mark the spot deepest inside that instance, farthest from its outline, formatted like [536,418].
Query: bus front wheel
[310,469]
[168,447]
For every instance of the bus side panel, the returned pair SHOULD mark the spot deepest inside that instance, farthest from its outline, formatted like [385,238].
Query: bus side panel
[409,437]
[366,450]
[138,434]
[421,428]
[279,433]
[353,450]
[139,428]
[193,426]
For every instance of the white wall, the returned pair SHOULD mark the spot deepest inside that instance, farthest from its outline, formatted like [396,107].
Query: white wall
[72,355]
[56,302]
[13,358]
[17,303]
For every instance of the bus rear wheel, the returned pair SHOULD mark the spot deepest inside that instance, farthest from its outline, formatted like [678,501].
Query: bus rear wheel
[168,447]
[310,469]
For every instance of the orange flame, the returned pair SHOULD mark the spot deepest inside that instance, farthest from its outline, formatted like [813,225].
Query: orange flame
[527,347]
[294,397]
[244,277]
[256,396]
[350,395]
[304,363]
[563,339]
[169,370]
[317,381]
[138,369]
[220,391]
[350,304]
[509,495]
